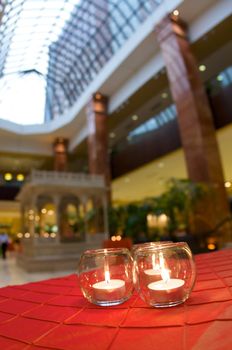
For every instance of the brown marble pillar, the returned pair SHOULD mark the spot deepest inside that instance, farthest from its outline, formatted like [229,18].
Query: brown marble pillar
[60,148]
[194,115]
[98,138]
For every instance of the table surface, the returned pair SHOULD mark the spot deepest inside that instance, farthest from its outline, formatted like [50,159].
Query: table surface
[53,314]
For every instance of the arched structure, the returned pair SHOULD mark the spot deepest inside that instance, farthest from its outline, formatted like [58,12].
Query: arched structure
[62,215]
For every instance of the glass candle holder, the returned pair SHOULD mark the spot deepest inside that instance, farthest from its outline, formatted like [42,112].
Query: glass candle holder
[138,246]
[135,247]
[165,274]
[106,276]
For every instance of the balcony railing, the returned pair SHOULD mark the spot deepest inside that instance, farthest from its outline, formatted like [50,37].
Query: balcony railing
[39,177]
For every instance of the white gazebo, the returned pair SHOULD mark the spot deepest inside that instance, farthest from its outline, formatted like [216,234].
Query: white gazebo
[63,214]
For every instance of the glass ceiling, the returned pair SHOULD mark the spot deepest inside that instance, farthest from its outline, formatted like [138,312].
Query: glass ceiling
[155,122]
[50,50]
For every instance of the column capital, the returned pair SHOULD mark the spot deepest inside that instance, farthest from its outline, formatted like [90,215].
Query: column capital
[60,144]
[171,24]
[97,105]
[60,148]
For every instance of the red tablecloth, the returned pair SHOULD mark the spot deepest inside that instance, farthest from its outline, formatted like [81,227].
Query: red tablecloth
[53,314]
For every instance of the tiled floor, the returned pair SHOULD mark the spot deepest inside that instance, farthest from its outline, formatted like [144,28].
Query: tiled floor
[11,274]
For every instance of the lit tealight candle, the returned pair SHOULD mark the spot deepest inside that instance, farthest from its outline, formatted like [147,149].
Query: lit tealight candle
[109,289]
[167,290]
[153,274]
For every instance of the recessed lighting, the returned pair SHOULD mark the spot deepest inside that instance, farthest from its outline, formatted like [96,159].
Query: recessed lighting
[202,68]
[175,13]
[134,117]
[44,211]
[8,177]
[127,179]
[164,95]
[20,177]
[112,135]
[227,184]
[160,165]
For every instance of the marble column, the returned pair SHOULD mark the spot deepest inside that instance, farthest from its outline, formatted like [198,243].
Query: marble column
[56,201]
[98,138]
[60,148]
[194,115]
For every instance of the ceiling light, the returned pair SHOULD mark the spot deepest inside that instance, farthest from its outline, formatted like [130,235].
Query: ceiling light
[202,68]
[127,179]
[175,13]
[164,95]
[112,135]
[20,177]
[227,184]
[134,117]
[219,77]
[8,177]
[50,212]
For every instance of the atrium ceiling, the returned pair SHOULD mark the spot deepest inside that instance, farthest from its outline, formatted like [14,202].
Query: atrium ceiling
[51,44]
[63,44]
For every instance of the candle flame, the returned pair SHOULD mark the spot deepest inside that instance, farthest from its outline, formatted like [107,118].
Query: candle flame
[155,266]
[165,275]
[107,276]
[164,272]
[107,273]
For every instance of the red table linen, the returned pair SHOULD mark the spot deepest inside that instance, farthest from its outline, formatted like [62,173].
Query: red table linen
[53,314]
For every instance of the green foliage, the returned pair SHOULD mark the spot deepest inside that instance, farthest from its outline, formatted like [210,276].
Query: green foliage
[177,202]
[128,220]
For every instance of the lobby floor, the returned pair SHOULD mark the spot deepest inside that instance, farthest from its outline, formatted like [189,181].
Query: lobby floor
[11,274]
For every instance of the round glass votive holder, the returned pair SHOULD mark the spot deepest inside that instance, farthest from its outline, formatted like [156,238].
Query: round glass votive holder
[138,246]
[106,276]
[165,274]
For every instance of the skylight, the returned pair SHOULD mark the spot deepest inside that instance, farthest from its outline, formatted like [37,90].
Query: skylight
[27,30]
[61,45]
[22,99]
[155,122]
